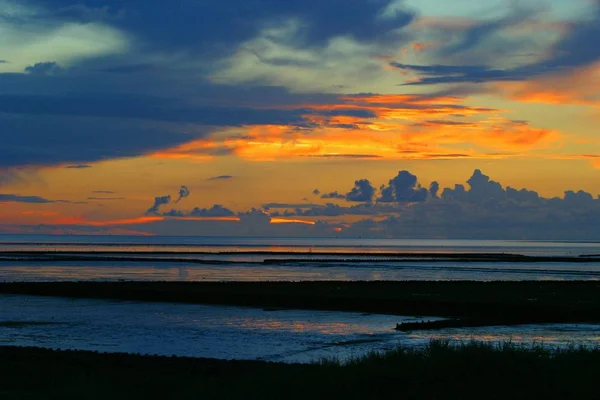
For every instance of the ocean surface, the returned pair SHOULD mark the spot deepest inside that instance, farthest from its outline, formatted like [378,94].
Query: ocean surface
[252,333]
[285,259]
[236,332]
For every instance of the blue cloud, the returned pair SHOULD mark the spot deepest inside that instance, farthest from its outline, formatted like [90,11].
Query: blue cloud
[44,68]
[362,191]
[212,26]
[403,188]
[15,198]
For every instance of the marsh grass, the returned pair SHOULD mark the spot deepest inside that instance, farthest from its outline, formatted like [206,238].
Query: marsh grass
[441,370]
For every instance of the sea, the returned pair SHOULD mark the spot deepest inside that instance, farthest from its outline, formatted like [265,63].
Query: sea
[254,333]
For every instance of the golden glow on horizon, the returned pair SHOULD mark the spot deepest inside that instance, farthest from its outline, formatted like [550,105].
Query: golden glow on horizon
[291,221]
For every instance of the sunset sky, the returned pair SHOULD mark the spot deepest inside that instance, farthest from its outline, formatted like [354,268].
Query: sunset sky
[301,117]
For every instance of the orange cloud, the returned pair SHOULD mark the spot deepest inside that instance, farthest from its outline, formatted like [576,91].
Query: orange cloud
[291,221]
[574,87]
[403,127]
[39,213]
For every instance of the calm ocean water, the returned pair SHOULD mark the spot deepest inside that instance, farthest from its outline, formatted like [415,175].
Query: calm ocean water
[234,332]
[286,259]
[301,245]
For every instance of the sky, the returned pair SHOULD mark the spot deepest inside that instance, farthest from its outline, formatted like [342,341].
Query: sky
[337,118]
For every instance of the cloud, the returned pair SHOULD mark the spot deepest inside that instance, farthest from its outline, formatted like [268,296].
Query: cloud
[362,191]
[289,205]
[158,201]
[37,32]
[15,198]
[333,195]
[435,74]
[8,177]
[51,140]
[255,218]
[575,48]
[220,177]
[216,211]
[403,188]
[434,189]
[156,109]
[335,210]
[78,166]
[316,192]
[184,192]
[43,68]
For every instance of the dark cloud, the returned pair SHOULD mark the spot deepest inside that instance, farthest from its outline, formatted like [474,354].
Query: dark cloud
[47,140]
[184,192]
[212,28]
[131,69]
[435,74]
[522,195]
[158,202]
[157,109]
[220,178]
[84,13]
[362,191]
[434,189]
[579,46]
[215,211]
[485,210]
[289,205]
[481,31]
[78,166]
[42,130]
[482,188]
[403,188]
[335,210]
[43,69]
[333,195]
[15,198]
[256,219]
[576,48]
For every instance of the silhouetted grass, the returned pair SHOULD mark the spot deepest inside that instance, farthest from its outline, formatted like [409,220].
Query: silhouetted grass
[440,371]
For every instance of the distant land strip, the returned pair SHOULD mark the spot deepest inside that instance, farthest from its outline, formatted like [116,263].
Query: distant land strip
[329,257]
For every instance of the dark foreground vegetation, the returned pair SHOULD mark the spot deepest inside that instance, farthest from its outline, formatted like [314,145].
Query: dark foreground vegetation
[441,371]
[465,303]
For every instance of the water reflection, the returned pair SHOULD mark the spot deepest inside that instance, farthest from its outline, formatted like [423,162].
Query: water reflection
[111,271]
[234,332]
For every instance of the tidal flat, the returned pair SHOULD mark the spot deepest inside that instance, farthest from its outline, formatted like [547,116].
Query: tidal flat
[485,303]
